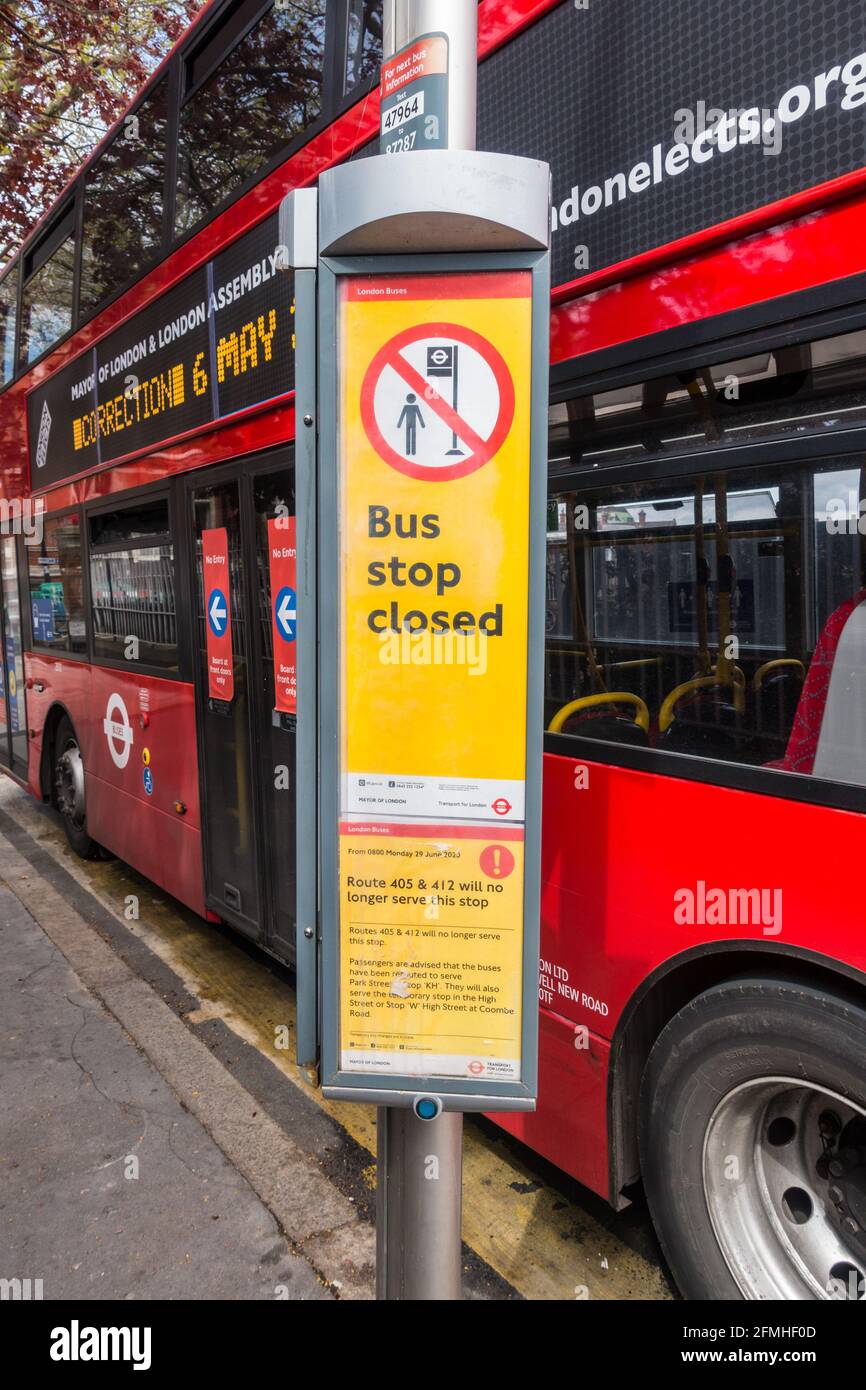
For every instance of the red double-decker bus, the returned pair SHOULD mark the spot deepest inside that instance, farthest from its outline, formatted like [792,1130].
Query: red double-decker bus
[703,973]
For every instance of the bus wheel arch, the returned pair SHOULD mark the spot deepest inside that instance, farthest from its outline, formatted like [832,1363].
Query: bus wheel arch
[662,995]
[52,722]
[62,780]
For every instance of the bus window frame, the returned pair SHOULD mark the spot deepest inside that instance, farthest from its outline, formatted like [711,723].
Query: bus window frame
[42,248]
[325,118]
[13,268]
[45,651]
[167,489]
[694,347]
[16,766]
[168,75]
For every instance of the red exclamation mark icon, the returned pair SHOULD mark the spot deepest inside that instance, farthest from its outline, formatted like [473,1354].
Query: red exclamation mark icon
[496,861]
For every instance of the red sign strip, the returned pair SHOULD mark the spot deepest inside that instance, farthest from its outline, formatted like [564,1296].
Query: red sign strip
[283,568]
[218,613]
[421,58]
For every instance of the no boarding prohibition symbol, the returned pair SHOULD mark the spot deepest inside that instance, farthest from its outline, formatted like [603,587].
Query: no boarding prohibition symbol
[408,419]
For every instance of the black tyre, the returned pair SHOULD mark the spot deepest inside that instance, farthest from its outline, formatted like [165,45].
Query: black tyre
[753,1143]
[68,788]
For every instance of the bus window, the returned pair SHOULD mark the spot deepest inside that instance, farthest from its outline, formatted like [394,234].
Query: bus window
[246,100]
[132,591]
[793,390]
[123,202]
[684,615]
[364,42]
[46,299]
[8,307]
[12,662]
[56,587]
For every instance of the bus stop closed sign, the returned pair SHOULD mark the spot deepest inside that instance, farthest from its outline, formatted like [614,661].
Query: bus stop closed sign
[434,497]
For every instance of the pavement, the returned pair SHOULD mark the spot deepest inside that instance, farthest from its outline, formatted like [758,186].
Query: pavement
[110,1188]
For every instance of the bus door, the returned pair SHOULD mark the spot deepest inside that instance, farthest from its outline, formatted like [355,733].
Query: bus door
[246,731]
[13,711]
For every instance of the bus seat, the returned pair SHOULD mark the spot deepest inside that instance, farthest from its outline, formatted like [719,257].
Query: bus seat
[707,726]
[827,737]
[703,717]
[776,687]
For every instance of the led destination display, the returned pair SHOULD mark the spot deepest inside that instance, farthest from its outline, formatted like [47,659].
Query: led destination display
[217,343]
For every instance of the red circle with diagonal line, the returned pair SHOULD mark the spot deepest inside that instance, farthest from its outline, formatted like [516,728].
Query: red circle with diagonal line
[483,449]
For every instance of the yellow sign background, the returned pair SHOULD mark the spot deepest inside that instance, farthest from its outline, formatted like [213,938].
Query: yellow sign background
[436,719]
[431,976]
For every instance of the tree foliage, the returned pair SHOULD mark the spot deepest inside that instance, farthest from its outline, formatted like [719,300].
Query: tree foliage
[67,70]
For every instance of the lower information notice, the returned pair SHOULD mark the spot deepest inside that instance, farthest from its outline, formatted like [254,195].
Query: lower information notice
[431,949]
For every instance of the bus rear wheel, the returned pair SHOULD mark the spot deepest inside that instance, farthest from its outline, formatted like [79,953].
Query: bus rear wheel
[753,1143]
[69,790]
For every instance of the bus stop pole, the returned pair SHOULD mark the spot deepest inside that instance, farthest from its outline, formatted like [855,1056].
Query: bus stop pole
[419,1182]
[418,1205]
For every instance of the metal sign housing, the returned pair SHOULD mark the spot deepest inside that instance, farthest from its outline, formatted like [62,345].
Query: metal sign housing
[432,403]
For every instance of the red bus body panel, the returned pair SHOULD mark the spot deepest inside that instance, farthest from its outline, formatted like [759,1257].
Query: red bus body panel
[144,830]
[607,915]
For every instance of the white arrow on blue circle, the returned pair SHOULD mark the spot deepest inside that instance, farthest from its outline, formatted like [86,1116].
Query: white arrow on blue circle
[218,613]
[286,611]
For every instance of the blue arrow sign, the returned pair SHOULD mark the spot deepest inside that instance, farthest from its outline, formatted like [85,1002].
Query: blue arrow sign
[218,612]
[286,614]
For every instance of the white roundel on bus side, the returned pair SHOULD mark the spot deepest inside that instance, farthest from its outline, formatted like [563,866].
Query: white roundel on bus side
[118,730]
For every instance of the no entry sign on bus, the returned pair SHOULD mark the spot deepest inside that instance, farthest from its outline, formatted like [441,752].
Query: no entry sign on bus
[218,613]
[283,565]
[434,376]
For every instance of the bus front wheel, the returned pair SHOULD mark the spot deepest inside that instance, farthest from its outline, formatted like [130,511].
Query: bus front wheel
[753,1142]
[69,790]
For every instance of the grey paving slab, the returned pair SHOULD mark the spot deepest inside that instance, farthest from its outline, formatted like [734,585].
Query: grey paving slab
[109,1188]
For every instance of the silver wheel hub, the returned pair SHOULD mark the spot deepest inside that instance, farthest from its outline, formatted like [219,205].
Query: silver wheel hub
[784,1169]
[69,784]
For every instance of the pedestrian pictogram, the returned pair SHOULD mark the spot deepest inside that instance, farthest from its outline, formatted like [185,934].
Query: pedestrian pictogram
[437,401]
[413,417]
[286,614]
[217,613]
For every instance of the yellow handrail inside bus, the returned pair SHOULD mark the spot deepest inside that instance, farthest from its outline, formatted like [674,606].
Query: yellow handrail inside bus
[739,676]
[614,697]
[666,713]
[768,666]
